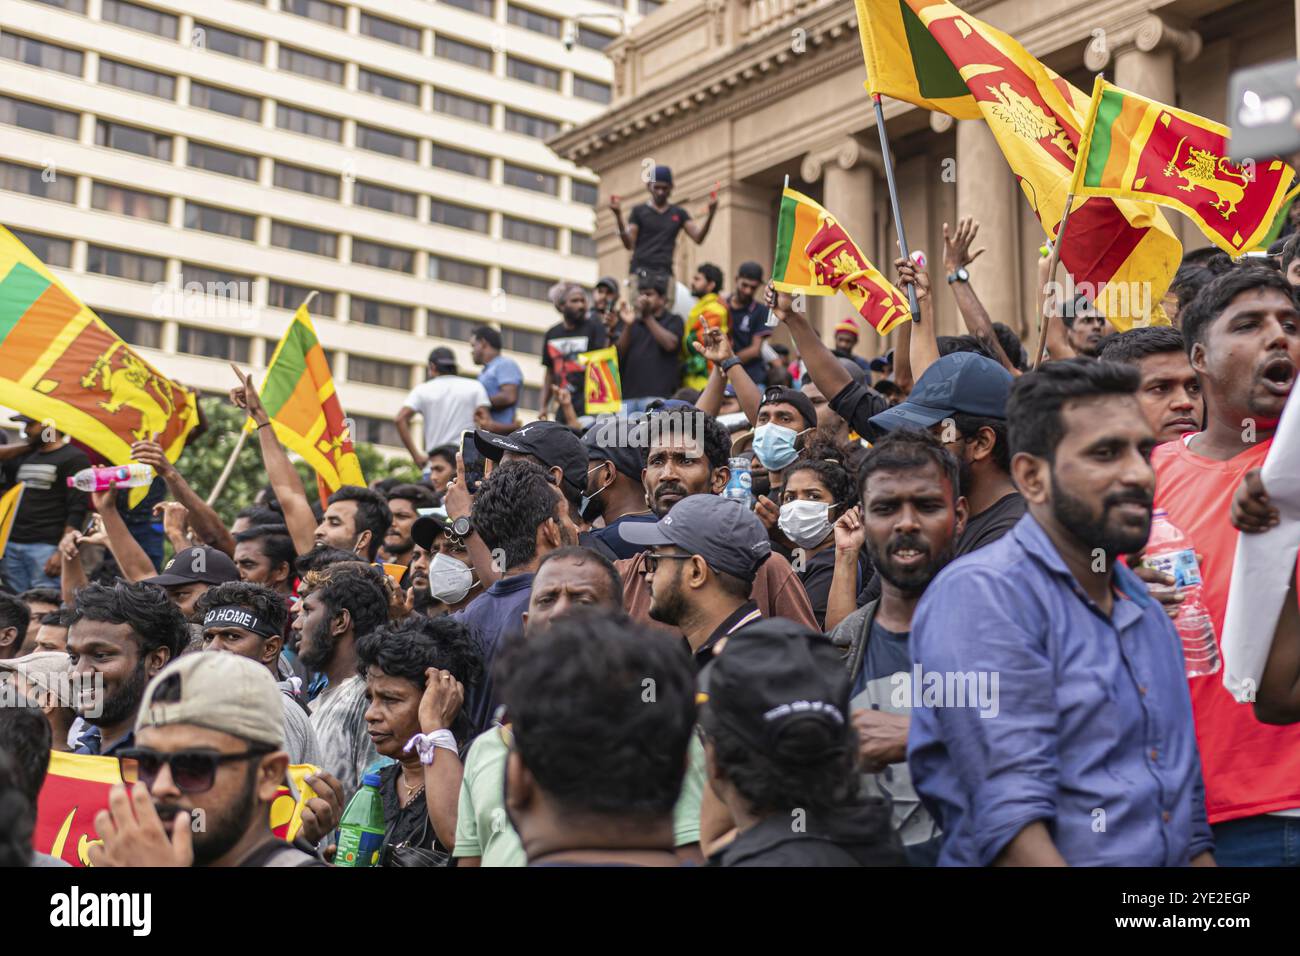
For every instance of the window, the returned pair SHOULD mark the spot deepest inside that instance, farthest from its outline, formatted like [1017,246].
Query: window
[593,39]
[139,18]
[214,345]
[321,10]
[586,193]
[220,282]
[225,101]
[376,431]
[374,196]
[442,325]
[530,287]
[476,111]
[48,56]
[218,40]
[445,48]
[224,161]
[367,253]
[73,6]
[526,178]
[370,371]
[125,265]
[530,396]
[308,123]
[134,330]
[459,161]
[592,90]
[49,249]
[309,64]
[648,7]
[387,314]
[387,142]
[581,244]
[286,295]
[520,340]
[443,269]
[533,73]
[129,202]
[482,7]
[532,20]
[533,233]
[461,217]
[306,180]
[142,142]
[42,119]
[534,126]
[303,239]
[390,87]
[222,222]
[390,31]
[137,78]
[37,182]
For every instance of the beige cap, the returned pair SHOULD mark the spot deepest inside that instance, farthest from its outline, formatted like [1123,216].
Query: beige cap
[220,691]
[44,670]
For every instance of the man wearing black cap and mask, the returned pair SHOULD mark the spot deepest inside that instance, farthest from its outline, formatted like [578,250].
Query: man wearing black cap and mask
[782,754]
[448,404]
[549,444]
[651,231]
[441,574]
[614,491]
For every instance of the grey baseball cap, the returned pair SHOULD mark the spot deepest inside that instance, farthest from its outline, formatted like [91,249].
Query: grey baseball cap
[225,692]
[726,534]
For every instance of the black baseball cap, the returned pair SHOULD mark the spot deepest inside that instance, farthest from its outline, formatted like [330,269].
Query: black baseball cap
[550,443]
[773,677]
[426,528]
[959,383]
[204,564]
[726,534]
[609,282]
[882,362]
[776,395]
[443,359]
[610,439]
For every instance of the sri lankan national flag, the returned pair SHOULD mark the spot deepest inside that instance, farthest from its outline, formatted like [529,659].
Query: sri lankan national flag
[1137,148]
[930,53]
[603,388]
[304,409]
[815,256]
[60,363]
[9,502]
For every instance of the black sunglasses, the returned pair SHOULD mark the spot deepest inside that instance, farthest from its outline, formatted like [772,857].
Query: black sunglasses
[193,771]
[652,559]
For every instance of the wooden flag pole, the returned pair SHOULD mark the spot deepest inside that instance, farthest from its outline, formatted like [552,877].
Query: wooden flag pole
[1051,277]
[230,466]
[893,202]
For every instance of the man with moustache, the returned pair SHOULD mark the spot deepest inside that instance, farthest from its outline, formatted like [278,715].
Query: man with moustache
[404,502]
[564,341]
[912,513]
[1090,719]
[1170,393]
[264,555]
[442,578]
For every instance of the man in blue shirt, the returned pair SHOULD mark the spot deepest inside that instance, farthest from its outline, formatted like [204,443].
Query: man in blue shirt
[1085,751]
[501,378]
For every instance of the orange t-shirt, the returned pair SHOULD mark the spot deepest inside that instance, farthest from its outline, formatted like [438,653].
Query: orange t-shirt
[1250,768]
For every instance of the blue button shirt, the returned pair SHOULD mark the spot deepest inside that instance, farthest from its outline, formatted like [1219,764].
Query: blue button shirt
[493,616]
[501,371]
[1091,732]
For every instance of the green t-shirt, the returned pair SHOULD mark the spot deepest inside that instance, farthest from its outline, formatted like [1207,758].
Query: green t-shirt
[484,830]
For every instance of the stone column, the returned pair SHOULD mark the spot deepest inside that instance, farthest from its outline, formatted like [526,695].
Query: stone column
[987,191]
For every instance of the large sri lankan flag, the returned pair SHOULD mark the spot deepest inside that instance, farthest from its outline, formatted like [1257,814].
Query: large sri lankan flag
[931,54]
[60,363]
[305,412]
[1137,148]
[815,256]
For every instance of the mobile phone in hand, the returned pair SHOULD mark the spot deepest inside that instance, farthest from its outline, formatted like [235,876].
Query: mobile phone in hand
[473,460]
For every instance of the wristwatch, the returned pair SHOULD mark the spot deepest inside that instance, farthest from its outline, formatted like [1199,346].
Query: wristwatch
[728,364]
[961,275]
[461,527]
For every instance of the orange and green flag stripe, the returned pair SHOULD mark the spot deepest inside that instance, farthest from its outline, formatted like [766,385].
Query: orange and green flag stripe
[799,220]
[1115,142]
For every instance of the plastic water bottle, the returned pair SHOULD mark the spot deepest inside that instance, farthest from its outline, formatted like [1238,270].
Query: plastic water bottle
[1170,552]
[361,831]
[100,478]
[740,485]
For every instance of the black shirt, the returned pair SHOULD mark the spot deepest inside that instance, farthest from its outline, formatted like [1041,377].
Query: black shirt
[860,834]
[48,504]
[817,575]
[856,404]
[746,325]
[408,824]
[560,350]
[647,370]
[656,237]
[743,616]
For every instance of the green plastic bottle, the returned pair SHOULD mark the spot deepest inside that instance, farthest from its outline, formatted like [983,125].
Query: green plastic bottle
[361,831]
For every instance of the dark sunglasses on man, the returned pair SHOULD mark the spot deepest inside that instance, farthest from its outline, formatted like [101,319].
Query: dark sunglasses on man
[193,771]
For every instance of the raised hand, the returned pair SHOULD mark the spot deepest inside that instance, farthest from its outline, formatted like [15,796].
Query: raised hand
[441,701]
[910,273]
[850,534]
[714,345]
[151,453]
[957,243]
[767,511]
[615,204]
[245,396]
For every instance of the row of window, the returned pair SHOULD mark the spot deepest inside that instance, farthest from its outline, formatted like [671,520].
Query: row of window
[228,162]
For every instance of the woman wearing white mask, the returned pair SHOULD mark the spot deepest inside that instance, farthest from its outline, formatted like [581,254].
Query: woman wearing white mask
[818,490]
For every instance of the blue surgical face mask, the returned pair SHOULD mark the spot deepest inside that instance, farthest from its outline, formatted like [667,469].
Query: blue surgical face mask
[774,446]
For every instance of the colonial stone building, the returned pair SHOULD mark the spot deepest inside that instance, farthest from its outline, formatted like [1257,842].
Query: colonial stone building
[746,92]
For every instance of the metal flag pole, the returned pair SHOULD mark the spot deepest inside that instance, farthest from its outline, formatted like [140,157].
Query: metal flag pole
[1051,278]
[893,202]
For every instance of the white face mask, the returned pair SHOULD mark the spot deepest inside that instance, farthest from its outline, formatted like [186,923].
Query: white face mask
[806,523]
[449,579]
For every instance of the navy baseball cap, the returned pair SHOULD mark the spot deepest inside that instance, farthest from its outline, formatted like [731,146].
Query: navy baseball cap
[663,174]
[551,443]
[882,362]
[726,534]
[613,438]
[961,383]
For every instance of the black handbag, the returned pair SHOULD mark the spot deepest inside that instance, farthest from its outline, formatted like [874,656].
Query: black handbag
[403,854]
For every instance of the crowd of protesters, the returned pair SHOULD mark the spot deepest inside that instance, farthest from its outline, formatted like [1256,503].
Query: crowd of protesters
[723,626]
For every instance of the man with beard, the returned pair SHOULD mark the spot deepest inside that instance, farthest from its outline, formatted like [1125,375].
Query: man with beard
[912,513]
[707,313]
[1170,393]
[649,348]
[1243,339]
[687,453]
[404,502]
[119,638]
[1048,687]
[340,604]
[210,749]
[564,342]
[264,555]
[614,492]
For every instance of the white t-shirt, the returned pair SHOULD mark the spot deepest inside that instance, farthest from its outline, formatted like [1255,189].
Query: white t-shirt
[447,405]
